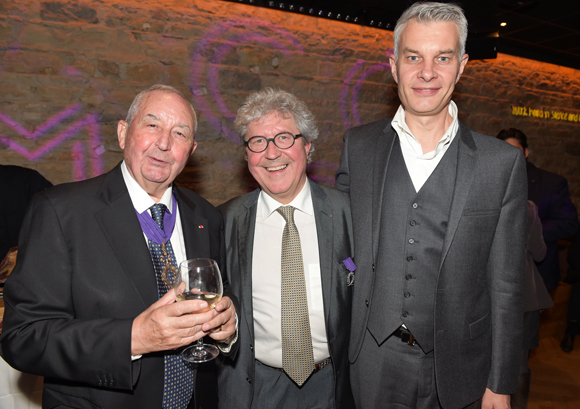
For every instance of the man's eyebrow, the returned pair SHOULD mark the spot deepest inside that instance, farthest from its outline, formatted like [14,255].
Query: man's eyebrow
[182,126]
[410,50]
[151,116]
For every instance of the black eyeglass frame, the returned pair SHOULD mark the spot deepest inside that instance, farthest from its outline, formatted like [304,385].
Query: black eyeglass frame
[268,140]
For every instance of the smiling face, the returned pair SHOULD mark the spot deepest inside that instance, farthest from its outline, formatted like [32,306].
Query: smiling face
[428,67]
[281,173]
[159,141]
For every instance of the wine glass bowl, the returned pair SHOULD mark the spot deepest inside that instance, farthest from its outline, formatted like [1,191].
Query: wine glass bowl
[199,279]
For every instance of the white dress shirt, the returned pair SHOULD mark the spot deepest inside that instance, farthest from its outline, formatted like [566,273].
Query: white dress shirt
[142,201]
[420,165]
[267,281]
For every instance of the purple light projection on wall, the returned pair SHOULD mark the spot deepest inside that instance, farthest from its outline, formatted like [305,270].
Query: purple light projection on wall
[355,78]
[89,121]
[206,50]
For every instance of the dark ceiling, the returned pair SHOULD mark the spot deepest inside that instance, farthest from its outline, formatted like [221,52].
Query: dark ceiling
[543,30]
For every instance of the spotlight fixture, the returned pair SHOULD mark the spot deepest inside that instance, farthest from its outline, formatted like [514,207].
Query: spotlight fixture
[294,6]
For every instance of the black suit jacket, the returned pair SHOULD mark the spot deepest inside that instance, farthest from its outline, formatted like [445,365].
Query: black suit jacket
[549,191]
[83,273]
[17,185]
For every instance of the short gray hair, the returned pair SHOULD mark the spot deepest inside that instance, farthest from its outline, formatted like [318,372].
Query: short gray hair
[433,12]
[270,100]
[136,104]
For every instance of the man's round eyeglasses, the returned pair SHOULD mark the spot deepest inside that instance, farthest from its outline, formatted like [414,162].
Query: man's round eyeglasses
[284,140]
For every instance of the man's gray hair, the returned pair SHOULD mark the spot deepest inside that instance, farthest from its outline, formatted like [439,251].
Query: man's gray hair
[136,104]
[433,12]
[270,100]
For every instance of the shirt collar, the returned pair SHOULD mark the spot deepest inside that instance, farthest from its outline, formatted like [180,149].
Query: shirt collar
[400,126]
[140,198]
[302,202]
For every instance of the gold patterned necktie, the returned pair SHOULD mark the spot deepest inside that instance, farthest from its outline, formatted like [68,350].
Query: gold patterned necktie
[297,356]
[178,378]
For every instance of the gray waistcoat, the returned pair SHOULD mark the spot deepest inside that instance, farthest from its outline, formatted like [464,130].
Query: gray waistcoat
[413,228]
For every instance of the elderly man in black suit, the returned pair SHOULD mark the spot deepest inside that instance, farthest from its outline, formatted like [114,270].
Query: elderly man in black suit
[439,224]
[86,306]
[286,243]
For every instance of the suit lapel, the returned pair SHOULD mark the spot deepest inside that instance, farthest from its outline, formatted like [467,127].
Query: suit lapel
[245,240]
[382,149]
[195,227]
[127,242]
[467,158]
[324,230]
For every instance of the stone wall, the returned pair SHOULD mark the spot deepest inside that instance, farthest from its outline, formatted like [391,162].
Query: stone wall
[69,70]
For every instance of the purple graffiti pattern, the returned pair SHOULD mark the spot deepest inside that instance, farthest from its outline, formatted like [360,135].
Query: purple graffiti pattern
[206,50]
[89,121]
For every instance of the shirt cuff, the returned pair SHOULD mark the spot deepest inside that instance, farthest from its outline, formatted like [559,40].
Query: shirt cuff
[226,345]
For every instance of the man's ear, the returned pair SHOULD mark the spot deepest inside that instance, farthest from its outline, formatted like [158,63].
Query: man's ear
[122,128]
[526,153]
[393,63]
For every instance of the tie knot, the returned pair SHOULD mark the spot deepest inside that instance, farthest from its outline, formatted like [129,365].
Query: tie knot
[287,213]
[157,212]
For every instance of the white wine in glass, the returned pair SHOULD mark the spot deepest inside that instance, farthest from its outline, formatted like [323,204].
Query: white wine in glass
[199,279]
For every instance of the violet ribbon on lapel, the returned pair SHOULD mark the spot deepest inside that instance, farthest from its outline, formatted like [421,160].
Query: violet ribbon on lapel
[349,264]
[152,230]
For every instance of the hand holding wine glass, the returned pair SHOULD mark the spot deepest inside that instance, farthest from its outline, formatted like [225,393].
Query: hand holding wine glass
[199,279]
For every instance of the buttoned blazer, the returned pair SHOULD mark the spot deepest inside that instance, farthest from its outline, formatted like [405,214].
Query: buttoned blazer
[478,303]
[83,273]
[334,229]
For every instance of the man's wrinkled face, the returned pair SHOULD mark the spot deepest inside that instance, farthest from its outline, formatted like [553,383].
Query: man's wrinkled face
[280,172]
[159,141]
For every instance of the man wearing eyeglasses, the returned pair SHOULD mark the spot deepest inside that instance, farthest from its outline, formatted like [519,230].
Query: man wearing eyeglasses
[285,245]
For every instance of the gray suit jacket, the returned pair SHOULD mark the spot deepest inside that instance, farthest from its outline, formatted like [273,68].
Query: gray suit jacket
[478,307]
[333,224]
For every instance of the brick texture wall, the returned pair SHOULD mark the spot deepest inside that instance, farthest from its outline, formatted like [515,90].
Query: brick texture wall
[69,70]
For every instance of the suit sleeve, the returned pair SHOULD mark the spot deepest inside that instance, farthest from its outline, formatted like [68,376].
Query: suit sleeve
[562,220]
[535,241]
[41,334]
[505,280]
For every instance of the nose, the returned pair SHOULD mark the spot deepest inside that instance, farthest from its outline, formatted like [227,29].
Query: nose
[272,151]
[164,140]
[427,71]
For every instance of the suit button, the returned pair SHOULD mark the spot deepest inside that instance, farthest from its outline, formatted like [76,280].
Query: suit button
[251,347]
[411,241]
[410,258]
[405,314]
[408,277]
[373,268]
[367,302]
[412,222]
[407,295]
[415,205]
[249,380]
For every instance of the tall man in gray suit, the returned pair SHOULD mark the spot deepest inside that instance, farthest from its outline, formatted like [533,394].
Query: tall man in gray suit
[438,218]
[285,245]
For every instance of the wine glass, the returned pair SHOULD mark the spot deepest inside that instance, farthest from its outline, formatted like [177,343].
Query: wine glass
[199,279]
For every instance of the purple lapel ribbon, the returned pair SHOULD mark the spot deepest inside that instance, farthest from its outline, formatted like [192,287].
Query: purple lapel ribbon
[349,264]
[152,229]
